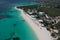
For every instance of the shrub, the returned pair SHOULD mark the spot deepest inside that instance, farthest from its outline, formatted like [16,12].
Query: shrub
[53,35]
[58,39]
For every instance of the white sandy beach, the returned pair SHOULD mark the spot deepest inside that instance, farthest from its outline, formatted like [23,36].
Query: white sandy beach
[41,32]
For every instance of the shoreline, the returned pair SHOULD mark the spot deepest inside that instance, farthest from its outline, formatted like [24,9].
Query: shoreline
[41,33]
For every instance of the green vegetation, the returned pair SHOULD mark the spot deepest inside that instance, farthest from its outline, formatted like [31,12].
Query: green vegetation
[53,35]
[48,9]
[58,39]
[58,25]
[28,7]
[51,11]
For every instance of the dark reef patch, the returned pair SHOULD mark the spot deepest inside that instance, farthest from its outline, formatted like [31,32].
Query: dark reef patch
[5,16]
[16,38]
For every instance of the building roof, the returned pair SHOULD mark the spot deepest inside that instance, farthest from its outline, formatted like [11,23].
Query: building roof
[41,13]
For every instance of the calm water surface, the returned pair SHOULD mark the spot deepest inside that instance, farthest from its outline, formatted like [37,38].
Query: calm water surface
[15,25]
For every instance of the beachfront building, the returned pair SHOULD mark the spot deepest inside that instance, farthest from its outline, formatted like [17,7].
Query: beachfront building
[43,15]
[40,16]
[29,11]
[32,13]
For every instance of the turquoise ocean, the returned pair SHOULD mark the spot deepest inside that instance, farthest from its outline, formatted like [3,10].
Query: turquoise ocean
[16,26]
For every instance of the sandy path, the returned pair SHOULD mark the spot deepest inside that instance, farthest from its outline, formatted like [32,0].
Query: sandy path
[41,33]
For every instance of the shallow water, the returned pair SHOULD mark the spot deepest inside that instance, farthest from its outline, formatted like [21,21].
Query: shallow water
[15,26]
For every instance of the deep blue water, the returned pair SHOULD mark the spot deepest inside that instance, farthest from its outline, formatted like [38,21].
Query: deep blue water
[7,4]
[15,25]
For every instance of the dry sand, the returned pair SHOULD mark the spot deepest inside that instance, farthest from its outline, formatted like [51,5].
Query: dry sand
[41,32]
